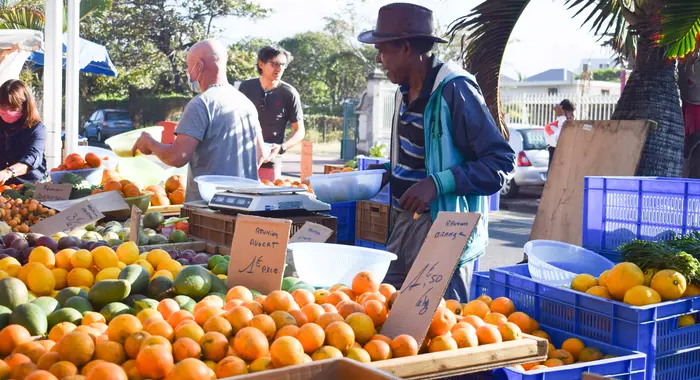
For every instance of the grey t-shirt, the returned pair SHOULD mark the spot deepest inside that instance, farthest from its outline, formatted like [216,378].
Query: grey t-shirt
[226,124]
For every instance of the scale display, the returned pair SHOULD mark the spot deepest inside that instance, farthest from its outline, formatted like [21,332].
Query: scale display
[266,199]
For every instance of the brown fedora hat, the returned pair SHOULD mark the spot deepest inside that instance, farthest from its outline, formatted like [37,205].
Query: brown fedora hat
[399,21]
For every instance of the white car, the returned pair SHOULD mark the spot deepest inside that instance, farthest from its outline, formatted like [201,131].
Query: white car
[531,158]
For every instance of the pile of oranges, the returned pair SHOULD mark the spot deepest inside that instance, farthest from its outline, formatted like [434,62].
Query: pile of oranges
[305,184]
[173,193]
[20,215]
[246,334]
[74,161]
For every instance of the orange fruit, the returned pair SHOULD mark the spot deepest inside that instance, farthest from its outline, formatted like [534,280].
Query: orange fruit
[442,343]
[61,329]
[349,308]
[348,292]
[233,303]
[189,329]
[239,293]
[583,282]
[336,297]
[11,336]
[465,336]
[214,346]
[154,362]
[254,307]
[184,348]
[564,356]
[326,352]
[303,297]
[381,337]
[14,360]
[474,321]
[219,324]
[250,343]
[47,360]
[190,368]
[377,311]
[573,346]
[133,343]
[311,336]
[312,311]
[106,371]
[63,369]
[265,324]
[623,277]
[553,363]
[93,317]
[321,295]
[33,350]
[502,305]
[362,325]
[289,330]
[460,325]
[485,299]
[510,331]
[286,351]
[358,354]
[162,328]
[404,345]
[203,314]
[282,318]
[523,321]
[177,317]
[328,308]
[299,317]
[121,326]
[364,297]
[541,334]
[599,291]
[340,335]
[238,318]
[326,319]
[41,375]
[442,322]
[76,347]
[387,290]
[454,306]
[641,295]
[230,366]
[146,314]
[364,282]
[155,340]
[173,183]
[670,284]
[488,334]
[112,185]
[109,351]
[476,307]
[589,354]
[260,364]
[166,307]
[495,318]
[378,350]
[277,300]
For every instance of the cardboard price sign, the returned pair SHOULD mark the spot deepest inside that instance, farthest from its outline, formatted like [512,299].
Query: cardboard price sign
[430,274]
[135,224]
[52,191]
[261,247]
[78,215]
[307,160]
[311,233]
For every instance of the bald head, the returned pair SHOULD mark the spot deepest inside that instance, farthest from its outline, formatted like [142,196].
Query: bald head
[206,63]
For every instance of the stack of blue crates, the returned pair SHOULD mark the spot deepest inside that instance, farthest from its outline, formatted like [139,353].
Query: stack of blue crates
[345,214]
[384,196]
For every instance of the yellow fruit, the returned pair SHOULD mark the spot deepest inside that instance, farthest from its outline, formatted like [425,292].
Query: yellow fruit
[105,257]
[599,291]
[641,295]
[590,354]
[623,277]
[82,258]
[583,282]
[63,258]
[163,273]
[157,256]
[573,346]
[603,278]
[60,276]
[26,269]
[128,252]
[10,265]
[686,320]
[121,265]
[670,284]
[4,274]
[146,265]
[170,265]
[108,274]
[648,275]
[43,256]
[691,290]
[80,277]
[41,281]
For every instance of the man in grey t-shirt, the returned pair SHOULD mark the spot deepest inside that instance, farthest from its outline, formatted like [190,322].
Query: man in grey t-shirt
[219,132]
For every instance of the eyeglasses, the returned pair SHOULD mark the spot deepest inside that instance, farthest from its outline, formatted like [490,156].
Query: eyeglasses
[278,65]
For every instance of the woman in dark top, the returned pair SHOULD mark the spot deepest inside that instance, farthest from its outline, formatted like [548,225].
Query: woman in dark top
[22,138]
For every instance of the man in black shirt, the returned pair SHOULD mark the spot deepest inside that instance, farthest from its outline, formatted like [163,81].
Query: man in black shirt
[278,103]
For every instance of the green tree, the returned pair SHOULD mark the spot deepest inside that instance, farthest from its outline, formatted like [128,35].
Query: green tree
[243,58]
[607,75]
[662,31]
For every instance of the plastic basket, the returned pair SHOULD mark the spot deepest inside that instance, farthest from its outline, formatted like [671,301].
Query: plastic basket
[369,244]
[479,285]
[384,195]
[627,365]
[619,209]
[651,329]
[557,263]
[345,214]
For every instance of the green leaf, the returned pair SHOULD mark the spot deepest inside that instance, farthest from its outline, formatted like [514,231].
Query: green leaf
[680,27]
[21,18]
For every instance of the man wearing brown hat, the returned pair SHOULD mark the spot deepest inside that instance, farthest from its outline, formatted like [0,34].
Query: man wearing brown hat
[446,151]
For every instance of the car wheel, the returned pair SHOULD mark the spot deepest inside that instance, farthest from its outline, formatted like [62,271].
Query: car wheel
[510,189]
[99,136]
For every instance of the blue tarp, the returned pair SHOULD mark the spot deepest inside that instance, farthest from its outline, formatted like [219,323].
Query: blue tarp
[94,58]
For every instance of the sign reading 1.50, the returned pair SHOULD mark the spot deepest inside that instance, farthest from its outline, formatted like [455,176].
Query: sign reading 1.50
[425,282]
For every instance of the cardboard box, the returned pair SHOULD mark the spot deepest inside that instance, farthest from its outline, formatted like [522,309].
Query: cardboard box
[333,369]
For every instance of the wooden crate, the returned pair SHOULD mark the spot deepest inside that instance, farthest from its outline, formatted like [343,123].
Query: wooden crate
[171,210]
[463,361]
[332,369]
[329,168]
[195,245]
[372,222]
[217,227]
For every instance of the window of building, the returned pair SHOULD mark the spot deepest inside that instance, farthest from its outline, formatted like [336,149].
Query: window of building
[605,92]
[552,91]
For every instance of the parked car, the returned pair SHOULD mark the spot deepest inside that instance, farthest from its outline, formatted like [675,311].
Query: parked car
[106,123]
[531,158]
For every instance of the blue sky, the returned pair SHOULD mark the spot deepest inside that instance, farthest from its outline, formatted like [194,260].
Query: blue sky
[546,36]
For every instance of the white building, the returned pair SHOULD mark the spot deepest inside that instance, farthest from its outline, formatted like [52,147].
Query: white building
[556,82]
[596,64]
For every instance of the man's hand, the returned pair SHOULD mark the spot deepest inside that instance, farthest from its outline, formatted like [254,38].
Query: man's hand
[385,177]
[143,144]
[273,152]
[418,197]
[4,176]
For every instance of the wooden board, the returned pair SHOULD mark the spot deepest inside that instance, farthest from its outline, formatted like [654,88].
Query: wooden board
[585,148]
[466,360]
[171,210]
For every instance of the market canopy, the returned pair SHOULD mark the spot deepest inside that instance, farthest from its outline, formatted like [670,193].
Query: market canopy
[15,47]
[94,58]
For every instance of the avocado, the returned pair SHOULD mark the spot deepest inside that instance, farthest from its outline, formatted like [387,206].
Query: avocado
[66,314]
[137,276]
[30,316]
[193,281]
[108,291]
[13,293]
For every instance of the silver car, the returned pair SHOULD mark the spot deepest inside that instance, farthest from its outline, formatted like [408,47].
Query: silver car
[106,123]
[531,158]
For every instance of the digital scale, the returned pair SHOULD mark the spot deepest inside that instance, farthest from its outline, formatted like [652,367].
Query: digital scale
[265,200]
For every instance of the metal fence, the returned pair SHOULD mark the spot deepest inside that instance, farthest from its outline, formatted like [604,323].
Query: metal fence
[537,109]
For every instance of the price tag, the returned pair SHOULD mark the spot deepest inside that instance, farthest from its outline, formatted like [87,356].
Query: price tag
[430,274]
[52,191]
[134,224]
[311,233]
[260,248]
[78,215]
[307,160]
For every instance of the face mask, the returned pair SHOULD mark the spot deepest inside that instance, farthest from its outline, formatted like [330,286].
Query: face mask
[10,116]
[194,84]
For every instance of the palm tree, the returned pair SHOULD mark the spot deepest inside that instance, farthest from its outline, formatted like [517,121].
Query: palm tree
[650,34]
[28,17]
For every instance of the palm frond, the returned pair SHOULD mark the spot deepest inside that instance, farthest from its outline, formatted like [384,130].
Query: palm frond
[88,7]
[21,18]
[680,27]
[487,29]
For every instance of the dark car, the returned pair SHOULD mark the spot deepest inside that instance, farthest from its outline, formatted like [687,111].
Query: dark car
[107,123]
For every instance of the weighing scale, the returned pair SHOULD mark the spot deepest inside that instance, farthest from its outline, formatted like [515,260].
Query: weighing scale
[266,200]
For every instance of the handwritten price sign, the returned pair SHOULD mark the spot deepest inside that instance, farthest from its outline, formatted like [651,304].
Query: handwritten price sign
[78,215]
[52,191]
[311,233]
[430,274]
[259,246]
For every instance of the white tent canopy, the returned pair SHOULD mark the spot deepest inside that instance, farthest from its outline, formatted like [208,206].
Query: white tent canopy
[15,48]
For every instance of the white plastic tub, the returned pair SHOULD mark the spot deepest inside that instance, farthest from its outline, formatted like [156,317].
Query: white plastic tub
[208,184]
[122,143]
[556,263]
[347,186]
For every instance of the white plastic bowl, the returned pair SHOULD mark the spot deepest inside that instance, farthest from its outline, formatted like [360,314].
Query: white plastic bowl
[347,186]
[122,143]
[112,158]
[324,264]
[556,263]
[208,184]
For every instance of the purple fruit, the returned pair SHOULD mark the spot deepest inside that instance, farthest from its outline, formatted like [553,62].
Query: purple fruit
[173,254]
[200,258]
[66,242]
[11,252]
[84,244]
[9,238]
[24,256]
[3,255]
[46,241]
[180,260]
[114,247]
[187,255]
[189,251]
[32,238]
[19,244]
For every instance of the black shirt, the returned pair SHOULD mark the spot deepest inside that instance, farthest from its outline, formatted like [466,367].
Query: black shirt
[26,145]
[276,107]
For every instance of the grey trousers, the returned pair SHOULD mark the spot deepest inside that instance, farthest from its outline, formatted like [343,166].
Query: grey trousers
[406,239]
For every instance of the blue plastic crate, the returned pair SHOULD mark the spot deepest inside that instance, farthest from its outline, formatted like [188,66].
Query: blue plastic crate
[345,214]
[627,365]
[364,162]
[479,285]
[651,329]
[495,202]
[369,244]
[619,209]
